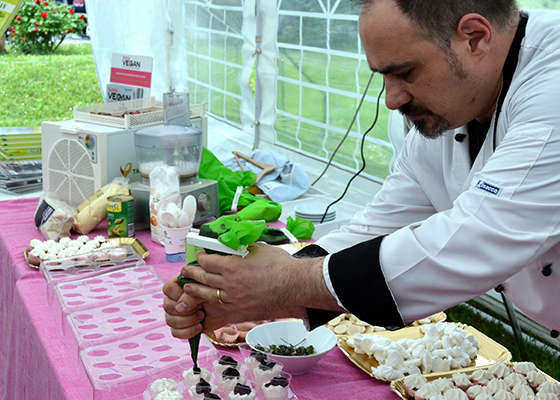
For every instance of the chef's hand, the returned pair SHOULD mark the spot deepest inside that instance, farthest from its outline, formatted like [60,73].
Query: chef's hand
[183,316]
[268,283]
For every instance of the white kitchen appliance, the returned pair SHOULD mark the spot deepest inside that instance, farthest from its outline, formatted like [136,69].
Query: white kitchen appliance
[79,158]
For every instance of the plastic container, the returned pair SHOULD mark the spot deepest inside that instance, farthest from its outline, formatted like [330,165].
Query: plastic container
[107,288]
[125,368]
[127,317]
[173,145]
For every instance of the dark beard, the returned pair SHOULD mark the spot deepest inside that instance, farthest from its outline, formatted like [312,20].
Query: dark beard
[440,126]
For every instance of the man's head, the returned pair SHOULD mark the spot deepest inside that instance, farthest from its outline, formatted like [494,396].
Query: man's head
[442,59]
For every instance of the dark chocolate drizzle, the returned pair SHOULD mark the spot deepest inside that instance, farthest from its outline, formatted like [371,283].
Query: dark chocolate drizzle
[277,381]
[203,387]
[211,396]
[241,389]
[267,365]
[257,355]
[230,373]
[227,360]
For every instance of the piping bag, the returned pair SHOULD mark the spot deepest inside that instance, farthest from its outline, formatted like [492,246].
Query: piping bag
[194,342]
[194,245]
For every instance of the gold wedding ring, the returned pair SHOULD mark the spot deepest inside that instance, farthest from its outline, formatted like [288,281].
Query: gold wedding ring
[219,296]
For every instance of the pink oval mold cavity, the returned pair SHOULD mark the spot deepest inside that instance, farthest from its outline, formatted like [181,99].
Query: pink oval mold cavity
[111,310]
[122,328]
[169,358]
[162,348]
[104,365]
[128,345]
[98,353]
[135,302]
[95,281]
[142,368]
[155,336]
[83,317]
[141,312]
[68,287]
[89,326]
[136,357]
[147,320]
[109,377]
[93,336]
[116,320]
[117,275]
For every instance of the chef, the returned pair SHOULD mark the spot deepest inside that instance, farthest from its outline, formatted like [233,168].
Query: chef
[473,202]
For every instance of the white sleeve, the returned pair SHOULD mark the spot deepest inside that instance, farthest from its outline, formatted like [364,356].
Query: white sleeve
[400,202]
[507,217]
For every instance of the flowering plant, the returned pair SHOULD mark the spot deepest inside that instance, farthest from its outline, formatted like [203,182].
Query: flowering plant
[41,26]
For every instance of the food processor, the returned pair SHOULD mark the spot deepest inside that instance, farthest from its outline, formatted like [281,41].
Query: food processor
[175,143]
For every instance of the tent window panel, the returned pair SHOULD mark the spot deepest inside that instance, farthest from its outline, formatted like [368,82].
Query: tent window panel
[288,63]
[298,5]
[314,32]
[314,67]
[288,97]
[288,29]
[313,104]
[232,80]
[344,36]
[341,110]
[233,51]
[286,131]
[312,138]
[203,70]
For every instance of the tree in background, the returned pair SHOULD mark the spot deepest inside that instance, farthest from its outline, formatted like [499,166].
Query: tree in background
[41,26]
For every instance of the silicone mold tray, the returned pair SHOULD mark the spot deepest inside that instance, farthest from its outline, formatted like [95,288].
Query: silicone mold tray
[86,265]
[107,288]
[117,320]
[124,368]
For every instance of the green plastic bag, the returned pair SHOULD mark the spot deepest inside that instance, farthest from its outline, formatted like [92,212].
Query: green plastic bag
[300,227]
[228,180]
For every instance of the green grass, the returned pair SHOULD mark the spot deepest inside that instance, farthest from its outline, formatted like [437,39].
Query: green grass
[36,88]
[546,361]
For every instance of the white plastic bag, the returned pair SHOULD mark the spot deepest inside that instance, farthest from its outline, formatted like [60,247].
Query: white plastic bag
[53,217]
[164,189]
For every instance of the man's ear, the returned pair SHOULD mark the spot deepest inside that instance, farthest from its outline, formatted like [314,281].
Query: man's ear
[476,33]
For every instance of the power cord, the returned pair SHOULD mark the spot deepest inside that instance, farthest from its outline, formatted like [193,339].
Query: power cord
[347,131]
[361,151]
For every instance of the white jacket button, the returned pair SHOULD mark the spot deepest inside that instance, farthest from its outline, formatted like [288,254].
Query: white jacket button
[547,270]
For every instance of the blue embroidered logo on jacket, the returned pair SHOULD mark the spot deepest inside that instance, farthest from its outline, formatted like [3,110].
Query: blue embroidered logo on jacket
[488,187]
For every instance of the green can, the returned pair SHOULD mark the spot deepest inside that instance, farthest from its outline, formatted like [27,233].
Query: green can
[120,216]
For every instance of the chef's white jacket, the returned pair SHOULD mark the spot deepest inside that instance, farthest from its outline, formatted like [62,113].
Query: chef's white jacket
[448,232]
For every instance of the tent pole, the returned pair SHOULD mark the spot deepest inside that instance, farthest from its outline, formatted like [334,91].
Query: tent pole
[258,88]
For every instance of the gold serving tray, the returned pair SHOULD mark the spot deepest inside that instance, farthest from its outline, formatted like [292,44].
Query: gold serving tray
[489,351]
[398,385]
[348,324]
[136,244]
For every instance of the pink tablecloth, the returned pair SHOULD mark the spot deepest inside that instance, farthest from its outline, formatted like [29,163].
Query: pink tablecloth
[39,354]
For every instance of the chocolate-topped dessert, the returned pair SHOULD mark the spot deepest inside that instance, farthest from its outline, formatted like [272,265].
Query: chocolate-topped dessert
[277,381]
[203,387]
[257,355]
[267,365]
[211,396]
[241,389]
[230,373]
[227,360]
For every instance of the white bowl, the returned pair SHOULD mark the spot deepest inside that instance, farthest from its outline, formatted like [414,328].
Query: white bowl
[322,339]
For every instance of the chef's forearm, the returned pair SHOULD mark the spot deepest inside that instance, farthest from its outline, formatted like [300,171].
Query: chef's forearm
[307,285]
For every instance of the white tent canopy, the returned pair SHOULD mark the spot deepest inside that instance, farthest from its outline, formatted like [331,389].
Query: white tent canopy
[283,75]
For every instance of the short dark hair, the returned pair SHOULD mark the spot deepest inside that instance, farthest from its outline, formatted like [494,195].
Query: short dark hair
[439,18]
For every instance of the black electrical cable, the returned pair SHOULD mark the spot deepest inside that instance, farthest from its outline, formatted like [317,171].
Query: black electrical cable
[361,153]
[347,131]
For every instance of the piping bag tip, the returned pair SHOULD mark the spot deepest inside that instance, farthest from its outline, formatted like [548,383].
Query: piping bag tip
[194,342]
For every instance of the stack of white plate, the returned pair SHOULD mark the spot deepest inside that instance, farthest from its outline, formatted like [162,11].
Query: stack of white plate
[314,212]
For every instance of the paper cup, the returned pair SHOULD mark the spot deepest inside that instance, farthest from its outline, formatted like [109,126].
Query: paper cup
[174,242]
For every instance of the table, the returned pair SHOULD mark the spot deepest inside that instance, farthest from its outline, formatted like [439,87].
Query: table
[39,355]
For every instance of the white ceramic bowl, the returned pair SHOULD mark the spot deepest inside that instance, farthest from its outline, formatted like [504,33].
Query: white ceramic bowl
[322,339]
